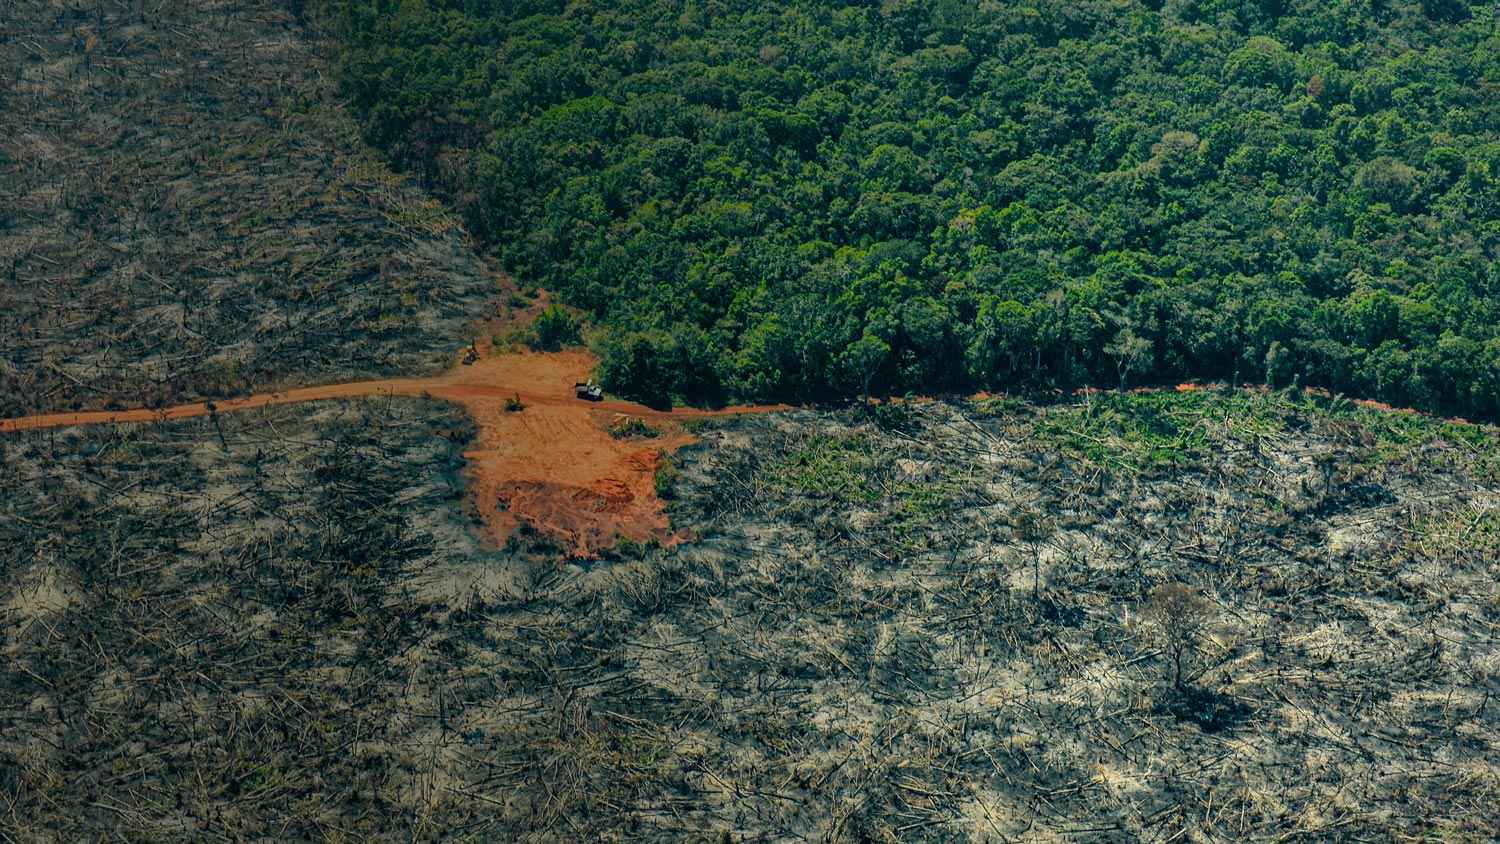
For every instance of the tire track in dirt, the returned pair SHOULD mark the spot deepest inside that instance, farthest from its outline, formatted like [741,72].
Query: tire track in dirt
[553,465]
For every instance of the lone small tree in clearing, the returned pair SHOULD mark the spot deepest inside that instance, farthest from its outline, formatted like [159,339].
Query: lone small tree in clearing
[1034,529]
[1179,615]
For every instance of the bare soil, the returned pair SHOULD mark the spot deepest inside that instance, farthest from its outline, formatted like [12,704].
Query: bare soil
[550,464]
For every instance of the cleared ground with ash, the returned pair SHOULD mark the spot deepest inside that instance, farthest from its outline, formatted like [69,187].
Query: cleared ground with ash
[942,622]
[944,627]
[215,629]
[186,211]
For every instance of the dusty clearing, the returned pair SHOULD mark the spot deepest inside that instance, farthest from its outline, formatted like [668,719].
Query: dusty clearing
[186,211]
[932,625]
[552,465]
[938,625]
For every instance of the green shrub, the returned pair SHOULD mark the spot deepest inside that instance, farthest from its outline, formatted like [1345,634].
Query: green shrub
[632,428]
[555,329]
[666,480]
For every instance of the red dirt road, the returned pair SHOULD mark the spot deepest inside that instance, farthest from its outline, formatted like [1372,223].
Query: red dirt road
[553,466]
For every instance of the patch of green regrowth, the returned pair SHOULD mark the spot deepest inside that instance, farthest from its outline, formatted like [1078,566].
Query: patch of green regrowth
[850,469]
[897,415]
[511,340]
[1244,414]
[633,549]
[995,406]
[1132,431]
[665,480]
[1394,436]
[838,467]
[633,428]
[1468,530]
[914,505]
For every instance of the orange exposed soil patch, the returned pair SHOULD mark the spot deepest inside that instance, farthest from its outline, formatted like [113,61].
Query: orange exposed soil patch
[552,466]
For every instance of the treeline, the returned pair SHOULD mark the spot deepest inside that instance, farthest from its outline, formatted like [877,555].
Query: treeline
[809,199]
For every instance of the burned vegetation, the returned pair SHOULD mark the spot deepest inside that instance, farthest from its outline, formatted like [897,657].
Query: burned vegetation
[1156,617]
[186,211]
[214,635]
[1227,617]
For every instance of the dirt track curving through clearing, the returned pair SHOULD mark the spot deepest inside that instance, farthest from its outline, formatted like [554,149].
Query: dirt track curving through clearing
[553,466]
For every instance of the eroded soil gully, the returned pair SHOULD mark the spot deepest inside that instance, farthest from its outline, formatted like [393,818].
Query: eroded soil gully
[553,465]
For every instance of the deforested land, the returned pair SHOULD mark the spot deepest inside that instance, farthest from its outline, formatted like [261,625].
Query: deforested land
[504,602]
[187,211]
[1228,616]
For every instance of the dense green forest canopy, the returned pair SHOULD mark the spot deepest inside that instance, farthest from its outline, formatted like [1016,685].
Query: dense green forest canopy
[807,199]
